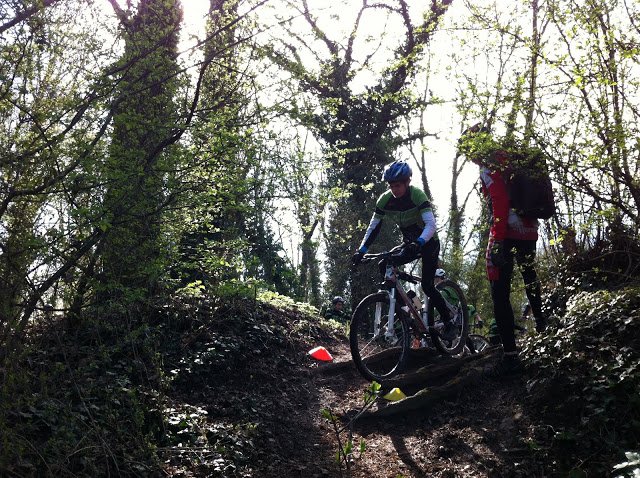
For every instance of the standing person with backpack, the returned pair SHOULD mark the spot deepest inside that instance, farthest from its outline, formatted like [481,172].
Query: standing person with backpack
[511,237]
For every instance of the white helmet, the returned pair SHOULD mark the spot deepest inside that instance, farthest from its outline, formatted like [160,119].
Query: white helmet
[440,273]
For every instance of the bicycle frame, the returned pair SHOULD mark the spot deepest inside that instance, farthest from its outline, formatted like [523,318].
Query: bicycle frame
[392,281]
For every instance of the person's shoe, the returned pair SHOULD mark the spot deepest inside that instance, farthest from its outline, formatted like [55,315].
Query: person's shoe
[450,331]
[507,366]
[541,324]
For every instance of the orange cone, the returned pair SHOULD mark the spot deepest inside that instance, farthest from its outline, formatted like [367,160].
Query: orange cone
[320,353]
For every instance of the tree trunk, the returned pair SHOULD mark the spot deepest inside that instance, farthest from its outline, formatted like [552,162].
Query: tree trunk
[143,120]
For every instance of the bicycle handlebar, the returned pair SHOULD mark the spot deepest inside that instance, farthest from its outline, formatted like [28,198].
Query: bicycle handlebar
[372,257]
[382,255]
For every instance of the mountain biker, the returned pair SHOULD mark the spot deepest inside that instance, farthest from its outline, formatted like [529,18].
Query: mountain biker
[410,208]
[336,312]
[510,237]
[451,296]
[475,320]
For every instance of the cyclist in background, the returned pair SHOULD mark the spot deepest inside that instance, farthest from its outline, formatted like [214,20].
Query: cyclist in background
[410,208]
[475,321]
[450,296]
[337,312]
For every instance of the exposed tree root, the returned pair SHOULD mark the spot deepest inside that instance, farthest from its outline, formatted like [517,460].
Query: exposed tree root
[466,374]
[440,369]
[417,356]
[334,368]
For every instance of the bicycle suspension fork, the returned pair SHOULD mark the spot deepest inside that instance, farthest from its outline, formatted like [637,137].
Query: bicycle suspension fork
[390,280]
[390,332]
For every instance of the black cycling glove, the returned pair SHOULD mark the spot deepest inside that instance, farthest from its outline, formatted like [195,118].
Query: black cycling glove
[413,248]
[497,254]
[357,258]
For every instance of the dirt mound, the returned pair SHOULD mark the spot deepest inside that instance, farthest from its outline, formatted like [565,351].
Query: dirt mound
[227,389]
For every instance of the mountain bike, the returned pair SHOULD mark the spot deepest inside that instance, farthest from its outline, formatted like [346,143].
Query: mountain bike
[384,323]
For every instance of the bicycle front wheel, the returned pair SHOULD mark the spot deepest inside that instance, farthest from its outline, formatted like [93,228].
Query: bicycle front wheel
[378,351]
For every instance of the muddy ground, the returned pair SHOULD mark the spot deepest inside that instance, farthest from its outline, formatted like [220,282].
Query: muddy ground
[485,429]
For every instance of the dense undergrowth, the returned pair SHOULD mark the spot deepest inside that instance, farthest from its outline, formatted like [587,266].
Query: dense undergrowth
[585,381]
[199,386]
[233,373]
[135,399]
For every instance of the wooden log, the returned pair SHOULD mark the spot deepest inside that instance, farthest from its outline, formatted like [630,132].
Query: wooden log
[442,368]
[468,376]
[416,355]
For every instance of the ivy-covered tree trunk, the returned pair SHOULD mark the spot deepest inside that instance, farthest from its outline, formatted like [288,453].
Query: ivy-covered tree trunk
[456,216]
[349,219]
[356,129]
[18,252]
[309,265]
[211,206]
[226,150]
[144,117]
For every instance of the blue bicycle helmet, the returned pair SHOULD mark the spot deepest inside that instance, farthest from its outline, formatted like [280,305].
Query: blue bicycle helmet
[397,171]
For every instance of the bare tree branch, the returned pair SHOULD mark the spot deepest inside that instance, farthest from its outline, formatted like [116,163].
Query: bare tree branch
[25,14]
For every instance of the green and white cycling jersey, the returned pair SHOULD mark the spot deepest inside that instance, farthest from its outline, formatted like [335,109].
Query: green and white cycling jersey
[412,213]
[450,296]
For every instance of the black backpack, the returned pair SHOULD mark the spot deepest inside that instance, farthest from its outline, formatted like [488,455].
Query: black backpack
[529,185]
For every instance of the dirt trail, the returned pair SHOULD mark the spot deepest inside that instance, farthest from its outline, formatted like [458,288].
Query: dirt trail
[264,400]
[485,430]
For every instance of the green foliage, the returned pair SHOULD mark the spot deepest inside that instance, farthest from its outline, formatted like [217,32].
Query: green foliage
[193,289]
[479,147]
[51,119]
[65,398]
[230,418]
[170,376]
[372,393]
[587,373]
[139,156]
[284,302]
[345,456]
[609,263]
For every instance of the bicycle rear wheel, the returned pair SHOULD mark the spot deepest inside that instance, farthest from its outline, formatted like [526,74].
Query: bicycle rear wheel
[377,353]
[477,343]
[458,305]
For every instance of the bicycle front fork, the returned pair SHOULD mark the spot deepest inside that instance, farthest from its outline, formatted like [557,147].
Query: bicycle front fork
[389,333]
